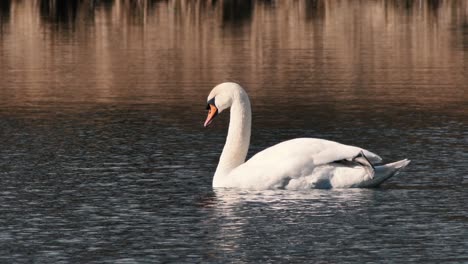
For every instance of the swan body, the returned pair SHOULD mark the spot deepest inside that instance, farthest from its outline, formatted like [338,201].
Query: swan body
[301,163]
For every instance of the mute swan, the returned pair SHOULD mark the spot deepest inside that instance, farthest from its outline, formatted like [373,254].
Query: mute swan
[300,163]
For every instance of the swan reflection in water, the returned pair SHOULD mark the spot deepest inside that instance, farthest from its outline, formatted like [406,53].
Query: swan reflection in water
[240,218]
[316,199]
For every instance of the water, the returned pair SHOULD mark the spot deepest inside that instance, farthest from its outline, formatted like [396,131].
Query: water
[104,158]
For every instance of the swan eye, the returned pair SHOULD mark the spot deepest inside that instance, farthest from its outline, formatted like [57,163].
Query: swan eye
[210,102]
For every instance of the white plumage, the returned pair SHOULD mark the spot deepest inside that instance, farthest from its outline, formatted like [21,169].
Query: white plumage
[301,163]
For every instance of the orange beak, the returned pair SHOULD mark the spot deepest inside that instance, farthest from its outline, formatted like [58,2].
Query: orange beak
[212,112]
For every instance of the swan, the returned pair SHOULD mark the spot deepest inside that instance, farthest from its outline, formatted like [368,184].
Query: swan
[301,163]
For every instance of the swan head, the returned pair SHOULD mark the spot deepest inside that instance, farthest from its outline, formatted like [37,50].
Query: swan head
[221,98]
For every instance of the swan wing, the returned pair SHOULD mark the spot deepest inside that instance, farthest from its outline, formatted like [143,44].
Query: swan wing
[303,159]
[316,151]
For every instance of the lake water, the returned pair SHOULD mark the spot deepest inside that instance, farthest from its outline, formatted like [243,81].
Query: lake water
[104,158]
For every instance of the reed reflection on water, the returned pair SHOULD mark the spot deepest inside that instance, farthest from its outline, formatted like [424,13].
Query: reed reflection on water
[411,52]
[103,156]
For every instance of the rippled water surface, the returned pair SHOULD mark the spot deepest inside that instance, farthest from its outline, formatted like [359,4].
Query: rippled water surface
[103,157]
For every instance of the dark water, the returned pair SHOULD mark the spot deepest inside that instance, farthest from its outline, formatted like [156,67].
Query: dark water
[103,157]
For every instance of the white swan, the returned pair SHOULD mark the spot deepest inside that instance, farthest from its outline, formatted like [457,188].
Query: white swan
[301,163]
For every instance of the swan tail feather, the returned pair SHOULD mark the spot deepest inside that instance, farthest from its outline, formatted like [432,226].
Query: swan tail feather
[384,172]
[362,160]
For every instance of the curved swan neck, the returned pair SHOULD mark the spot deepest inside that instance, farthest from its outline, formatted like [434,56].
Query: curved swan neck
[238,137]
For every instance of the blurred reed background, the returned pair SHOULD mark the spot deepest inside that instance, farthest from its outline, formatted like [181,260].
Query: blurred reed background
[87,50]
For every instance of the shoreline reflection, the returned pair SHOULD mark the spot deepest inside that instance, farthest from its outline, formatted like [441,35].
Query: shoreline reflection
[380,52]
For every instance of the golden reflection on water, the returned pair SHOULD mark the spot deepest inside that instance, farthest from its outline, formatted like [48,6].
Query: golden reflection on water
[155,51]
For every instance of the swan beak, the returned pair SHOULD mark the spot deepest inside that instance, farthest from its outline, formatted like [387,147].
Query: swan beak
[212,112]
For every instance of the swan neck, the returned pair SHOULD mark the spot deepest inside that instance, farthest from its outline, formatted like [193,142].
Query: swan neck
[238,137]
